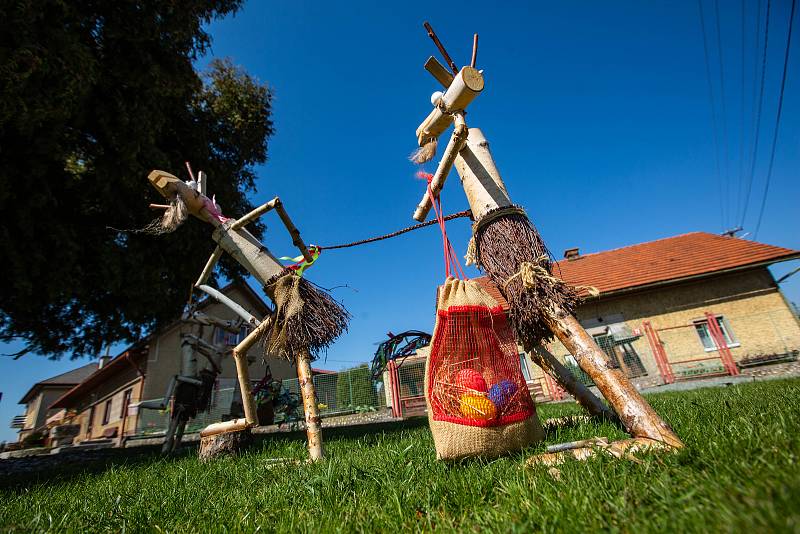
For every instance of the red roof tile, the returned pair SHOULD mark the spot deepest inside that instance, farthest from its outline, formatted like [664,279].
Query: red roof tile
[663,260]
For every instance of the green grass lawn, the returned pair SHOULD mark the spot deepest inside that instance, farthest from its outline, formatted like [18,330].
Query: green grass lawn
[739,472]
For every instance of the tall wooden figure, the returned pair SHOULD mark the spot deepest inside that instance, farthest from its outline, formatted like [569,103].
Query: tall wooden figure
[304,321]
[508,248]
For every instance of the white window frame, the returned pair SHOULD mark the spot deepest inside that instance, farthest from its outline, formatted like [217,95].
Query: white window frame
[523,365]
[724,326]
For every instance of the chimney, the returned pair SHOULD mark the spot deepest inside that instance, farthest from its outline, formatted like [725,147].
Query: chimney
[103,361]
[572,254]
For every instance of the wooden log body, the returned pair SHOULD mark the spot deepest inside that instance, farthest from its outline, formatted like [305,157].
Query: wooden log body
[248,251]
[313,420]
[466,85]
[480,178]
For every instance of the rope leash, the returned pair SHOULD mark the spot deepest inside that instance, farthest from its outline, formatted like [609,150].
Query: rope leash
[450,257]
[465,213]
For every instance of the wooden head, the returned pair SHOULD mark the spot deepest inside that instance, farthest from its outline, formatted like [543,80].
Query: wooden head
[171,186]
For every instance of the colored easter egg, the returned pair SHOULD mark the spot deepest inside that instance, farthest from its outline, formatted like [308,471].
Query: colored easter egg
[470,379]
[502,392]
[477,407]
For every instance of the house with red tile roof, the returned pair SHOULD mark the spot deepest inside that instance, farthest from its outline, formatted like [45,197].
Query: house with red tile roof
[657,299]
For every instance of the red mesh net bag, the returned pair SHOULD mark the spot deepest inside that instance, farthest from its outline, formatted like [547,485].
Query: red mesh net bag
[478,402]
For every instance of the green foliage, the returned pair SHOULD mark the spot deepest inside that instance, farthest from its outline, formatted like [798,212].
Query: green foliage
[94,95]
[354,389]
[738,473]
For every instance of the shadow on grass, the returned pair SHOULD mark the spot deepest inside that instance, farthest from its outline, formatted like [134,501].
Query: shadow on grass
[21,473]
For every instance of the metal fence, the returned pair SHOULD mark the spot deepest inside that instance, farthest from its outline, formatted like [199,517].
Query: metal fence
[344,392]
[157,421]
[339,393]
[722,343]
[407,381]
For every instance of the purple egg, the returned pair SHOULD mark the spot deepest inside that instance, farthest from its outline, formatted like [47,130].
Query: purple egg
[501,392]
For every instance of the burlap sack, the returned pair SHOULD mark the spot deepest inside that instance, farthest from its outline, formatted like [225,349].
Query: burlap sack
[456,437]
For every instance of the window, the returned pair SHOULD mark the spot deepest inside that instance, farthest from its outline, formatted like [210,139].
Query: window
[524,366]
[701,326]
[230,339]
[126,400]
[107,412]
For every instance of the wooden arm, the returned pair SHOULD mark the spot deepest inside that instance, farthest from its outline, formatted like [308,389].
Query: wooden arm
[277,205]
[455,144]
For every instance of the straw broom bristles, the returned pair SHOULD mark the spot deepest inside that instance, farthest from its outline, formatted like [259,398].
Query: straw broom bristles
[305,318]
[503,244]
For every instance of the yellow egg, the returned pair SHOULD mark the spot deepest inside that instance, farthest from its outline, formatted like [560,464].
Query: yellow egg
[477,407]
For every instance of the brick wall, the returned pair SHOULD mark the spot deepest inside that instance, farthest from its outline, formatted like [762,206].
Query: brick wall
[754,311]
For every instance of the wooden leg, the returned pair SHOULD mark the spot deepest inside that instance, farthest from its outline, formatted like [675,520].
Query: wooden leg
[229,437]
[174,423]
[638,417]
[313,420]
[570,383]
[179,432]
[243,372]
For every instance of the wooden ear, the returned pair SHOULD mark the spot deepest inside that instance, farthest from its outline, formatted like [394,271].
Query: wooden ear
[439,72]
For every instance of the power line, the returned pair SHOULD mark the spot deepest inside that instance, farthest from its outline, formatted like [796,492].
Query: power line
[724,114]
[754,92]
[758,119]
[741,122]
[777,119]
[713,114]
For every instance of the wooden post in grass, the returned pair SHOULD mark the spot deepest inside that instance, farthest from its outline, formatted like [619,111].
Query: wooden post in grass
[232,237]
[310,407]
[512,256]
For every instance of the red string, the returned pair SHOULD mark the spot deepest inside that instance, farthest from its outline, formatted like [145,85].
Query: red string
[450,257]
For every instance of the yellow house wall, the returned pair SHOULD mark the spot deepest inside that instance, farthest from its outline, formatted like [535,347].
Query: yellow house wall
[31,414]
[36,411]
[115,420]
[759,318]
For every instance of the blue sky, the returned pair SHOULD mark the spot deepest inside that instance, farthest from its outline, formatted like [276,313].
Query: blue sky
[597,113]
